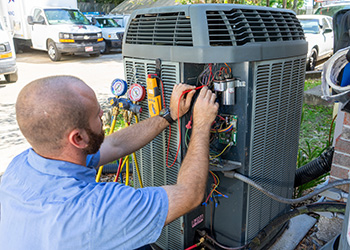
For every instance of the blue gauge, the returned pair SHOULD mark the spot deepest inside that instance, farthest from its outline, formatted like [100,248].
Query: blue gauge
[119,87]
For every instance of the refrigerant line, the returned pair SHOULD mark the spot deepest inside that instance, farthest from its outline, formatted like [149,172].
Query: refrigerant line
[286,200]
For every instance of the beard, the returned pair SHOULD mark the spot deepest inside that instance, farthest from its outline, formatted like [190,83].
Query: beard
[95,141]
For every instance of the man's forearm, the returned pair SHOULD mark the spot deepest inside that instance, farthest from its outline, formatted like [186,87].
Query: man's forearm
[194,169]
[192,178]
[131,139]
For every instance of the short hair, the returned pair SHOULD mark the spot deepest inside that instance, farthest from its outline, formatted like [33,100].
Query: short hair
[47,109]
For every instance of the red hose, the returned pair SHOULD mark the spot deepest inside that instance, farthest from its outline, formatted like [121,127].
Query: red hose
[192,247]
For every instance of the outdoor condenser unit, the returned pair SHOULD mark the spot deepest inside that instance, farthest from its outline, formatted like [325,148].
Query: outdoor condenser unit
[266,51]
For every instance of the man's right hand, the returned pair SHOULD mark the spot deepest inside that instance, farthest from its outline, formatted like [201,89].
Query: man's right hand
[205,109]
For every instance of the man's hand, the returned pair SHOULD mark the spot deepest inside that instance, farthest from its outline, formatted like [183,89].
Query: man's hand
[205,109]
[185,103]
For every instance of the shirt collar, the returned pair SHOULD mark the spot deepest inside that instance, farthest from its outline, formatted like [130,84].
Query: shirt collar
[60,168]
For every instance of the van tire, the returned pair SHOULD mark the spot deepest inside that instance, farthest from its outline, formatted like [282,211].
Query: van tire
[12,77]
[53,52]
[106,50]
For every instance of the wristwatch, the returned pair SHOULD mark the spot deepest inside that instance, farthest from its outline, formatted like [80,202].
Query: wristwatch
[165,113]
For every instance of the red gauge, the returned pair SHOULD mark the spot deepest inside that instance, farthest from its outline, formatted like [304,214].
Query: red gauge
[136,92]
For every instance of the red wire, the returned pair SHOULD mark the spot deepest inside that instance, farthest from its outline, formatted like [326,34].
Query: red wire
[179,126]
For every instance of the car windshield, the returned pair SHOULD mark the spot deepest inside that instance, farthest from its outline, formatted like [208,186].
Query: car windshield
[63,16]
[310,26]
[119,21]
[107,23]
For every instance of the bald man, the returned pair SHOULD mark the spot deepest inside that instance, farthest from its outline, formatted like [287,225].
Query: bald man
[48,194]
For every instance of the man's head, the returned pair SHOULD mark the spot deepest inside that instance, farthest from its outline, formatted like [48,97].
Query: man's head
[57,111]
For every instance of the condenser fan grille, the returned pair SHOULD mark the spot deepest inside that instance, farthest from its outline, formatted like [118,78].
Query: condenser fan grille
[172,29]
[241,26]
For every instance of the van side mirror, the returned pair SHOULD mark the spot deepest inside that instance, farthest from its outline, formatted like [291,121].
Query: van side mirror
[30,20]
[93,21]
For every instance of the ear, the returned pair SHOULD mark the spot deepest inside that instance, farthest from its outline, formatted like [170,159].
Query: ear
[78,138]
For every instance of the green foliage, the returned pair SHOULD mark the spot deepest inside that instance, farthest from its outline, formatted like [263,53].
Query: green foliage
[116,2]
[311,83]
[272,3]
[120,123]
[315,137]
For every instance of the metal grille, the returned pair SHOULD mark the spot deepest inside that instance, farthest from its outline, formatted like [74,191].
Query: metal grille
[240,26]
[152,157]
[85,38]
[275,131]
[172,29]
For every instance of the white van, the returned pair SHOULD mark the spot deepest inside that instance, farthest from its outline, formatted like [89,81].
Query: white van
[8,66]
[55,26]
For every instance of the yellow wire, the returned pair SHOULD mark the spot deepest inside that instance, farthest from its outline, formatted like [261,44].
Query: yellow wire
[215,156]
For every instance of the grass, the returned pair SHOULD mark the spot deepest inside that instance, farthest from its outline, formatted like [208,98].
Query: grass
[316,133]
[311,83]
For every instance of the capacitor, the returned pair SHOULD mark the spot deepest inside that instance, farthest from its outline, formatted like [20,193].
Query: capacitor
[228,97]
[220,84]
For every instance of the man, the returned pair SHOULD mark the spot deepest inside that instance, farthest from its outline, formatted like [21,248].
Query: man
[48,194]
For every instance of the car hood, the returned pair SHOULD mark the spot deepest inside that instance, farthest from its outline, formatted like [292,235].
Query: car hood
[73,28]
[116,30]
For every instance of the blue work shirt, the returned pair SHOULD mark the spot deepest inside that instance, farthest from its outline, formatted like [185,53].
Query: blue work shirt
[346,76]
[50,204]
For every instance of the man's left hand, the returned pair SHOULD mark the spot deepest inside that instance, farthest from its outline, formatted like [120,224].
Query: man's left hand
[185,102]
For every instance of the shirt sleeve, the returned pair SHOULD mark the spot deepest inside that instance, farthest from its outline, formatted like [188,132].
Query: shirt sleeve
[128,218]
[93,160]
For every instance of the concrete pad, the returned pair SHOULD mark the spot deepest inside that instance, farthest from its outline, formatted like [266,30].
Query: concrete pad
[299,226]
[328,228]
[313,97]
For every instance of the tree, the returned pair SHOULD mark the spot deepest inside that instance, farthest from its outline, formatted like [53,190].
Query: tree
[289,4]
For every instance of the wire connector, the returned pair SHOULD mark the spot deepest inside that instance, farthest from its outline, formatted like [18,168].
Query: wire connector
[189,124]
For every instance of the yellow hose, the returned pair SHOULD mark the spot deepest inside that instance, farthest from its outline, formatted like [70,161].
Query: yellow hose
[99,173]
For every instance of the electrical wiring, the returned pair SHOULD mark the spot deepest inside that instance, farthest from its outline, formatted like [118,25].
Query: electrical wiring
[179,128]
[216,156]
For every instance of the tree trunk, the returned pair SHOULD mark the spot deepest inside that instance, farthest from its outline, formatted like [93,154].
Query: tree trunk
[295,3]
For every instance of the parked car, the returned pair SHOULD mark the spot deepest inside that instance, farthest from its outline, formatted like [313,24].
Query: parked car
[318,31]
[112,32]
[331,9]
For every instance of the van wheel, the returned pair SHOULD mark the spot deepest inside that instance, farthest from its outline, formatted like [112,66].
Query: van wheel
[53,52]
[97,54]
[12,77]
[106,50]
[312,60]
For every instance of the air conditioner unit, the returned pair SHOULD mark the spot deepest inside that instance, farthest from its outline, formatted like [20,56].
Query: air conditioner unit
[266,50]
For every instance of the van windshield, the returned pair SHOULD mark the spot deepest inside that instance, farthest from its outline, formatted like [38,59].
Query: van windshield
[107,23]
[64,16]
